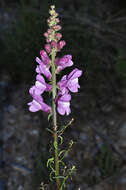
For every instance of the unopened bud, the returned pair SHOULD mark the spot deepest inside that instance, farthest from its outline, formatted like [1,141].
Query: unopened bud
[57,27]
[61,44]
[57,20]
[48,48]
[49,31]
[48,40]
[52,6]
[58,36]
[46,34]
[53,44]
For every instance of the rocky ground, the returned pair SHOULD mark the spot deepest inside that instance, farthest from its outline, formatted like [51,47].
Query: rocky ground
[98,152]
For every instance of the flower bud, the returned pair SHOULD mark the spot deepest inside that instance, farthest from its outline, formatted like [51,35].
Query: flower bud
[53,44]
[48,20]
[46,34]
[48,48]
[49,31]
[57,20]
[48,40]
[57,27]
[58,36]
[61,44]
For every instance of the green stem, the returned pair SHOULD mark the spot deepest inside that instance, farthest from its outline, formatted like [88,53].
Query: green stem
[55,136]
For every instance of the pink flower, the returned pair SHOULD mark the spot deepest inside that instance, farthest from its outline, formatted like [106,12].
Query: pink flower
[43,68]
[63,62]
[38,104]
[40,86]
[63,102]
[48,48]
[58,36]
[44,57]
[41,82]
[54,44]
[61,44]
[70,82]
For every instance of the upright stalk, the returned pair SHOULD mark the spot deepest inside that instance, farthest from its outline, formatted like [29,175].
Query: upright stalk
[55,136]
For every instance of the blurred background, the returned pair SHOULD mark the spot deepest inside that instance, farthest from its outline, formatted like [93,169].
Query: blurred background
[95,33]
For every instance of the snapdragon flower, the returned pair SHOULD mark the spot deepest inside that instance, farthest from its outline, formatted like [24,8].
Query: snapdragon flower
[38,104]
[43,68]
[70,82]
[40,86]
[45,57]
[63,62]
[63,102]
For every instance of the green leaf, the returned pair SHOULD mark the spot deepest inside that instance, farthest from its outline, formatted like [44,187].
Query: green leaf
[61,152]
[49,116]
[55,145]
[61,139]
[49,130]
[50,160]
[50,175]
[64,127]
[60,161]
[59,177]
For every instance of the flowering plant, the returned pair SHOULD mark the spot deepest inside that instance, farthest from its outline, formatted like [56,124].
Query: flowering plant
[49,66]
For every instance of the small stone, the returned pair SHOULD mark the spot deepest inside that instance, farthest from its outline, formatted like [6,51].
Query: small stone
[2,184]
[122,180]
[36,118]
[122,136]
[111,122]
[11,121]
[107,108]
[22,169]
[83,136]
[11,109]
[27,117]
[34,132]
[122,131]
[8,134]
[20,187]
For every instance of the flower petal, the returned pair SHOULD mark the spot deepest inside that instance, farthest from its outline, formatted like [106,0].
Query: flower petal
[64,104]
[76,73]
[64,62]
[73,85]
[38,104]
[34,106]
[44,69]
[44,57]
